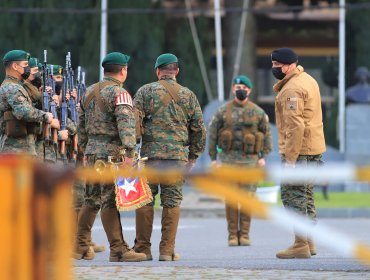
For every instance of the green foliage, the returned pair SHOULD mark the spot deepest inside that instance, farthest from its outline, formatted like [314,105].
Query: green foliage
[139,35]
[266,184]
[183,46]
[143,36]
[57,32]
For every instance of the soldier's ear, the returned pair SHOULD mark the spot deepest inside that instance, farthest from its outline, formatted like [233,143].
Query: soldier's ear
[177,71]
[14,66]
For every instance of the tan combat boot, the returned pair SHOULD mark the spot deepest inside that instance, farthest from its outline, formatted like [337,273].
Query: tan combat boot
[232,225]
[245,223]
[299,250]
[86,220]
[144,228]
[119,251]
[170,221]
[312,247]
[97,248]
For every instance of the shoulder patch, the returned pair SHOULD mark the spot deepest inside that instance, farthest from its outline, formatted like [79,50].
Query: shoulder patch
[292,103]
[124,98]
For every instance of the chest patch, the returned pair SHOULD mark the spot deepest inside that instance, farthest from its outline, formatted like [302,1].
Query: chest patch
[124,98]
[291,103]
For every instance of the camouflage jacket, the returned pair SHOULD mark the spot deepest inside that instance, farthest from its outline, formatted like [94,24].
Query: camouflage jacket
[247,121]
[15,98]
[102,133]
[175,131]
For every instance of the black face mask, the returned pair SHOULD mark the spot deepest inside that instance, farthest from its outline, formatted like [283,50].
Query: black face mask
[26,73]
[58,87]
[241,94]
[278,73]
[37,82]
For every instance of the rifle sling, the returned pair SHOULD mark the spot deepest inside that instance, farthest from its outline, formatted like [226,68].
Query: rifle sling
[172,89]
[95,93]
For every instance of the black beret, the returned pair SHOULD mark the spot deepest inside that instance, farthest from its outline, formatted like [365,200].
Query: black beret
[284,55]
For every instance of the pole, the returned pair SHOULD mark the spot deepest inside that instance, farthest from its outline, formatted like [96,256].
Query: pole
[103,34]
[239,49]
[198,50]
[341,81]
[220,68]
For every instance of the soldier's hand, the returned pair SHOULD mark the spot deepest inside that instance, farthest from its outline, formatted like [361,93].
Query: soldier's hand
[74,93]
[261,162]
[63,135]
[68,96]
[214,163]
[55,124]
[128,162]
[49,117]
[48,89]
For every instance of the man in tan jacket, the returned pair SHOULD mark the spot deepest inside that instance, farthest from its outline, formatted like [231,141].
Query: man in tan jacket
[301,137]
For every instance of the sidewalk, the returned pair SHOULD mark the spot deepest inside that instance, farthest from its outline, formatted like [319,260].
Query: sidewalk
[198,204]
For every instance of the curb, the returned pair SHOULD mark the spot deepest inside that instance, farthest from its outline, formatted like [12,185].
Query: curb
[321,213]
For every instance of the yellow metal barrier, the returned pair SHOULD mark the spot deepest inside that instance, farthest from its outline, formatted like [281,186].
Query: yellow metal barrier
[37,220]
[36,226]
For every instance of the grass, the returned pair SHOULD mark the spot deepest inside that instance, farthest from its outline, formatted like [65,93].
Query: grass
[342,200]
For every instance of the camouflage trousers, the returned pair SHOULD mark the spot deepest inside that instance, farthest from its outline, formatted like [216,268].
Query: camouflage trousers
[171,192]
[99,195]
[300,197]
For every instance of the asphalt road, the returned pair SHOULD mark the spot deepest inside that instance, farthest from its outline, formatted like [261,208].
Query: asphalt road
[202,245]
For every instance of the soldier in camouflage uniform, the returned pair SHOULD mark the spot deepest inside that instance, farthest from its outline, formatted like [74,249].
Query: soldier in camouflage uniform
[106,125]
[17,115]
[301,137]
[241,129]
[174,136]
[45,151]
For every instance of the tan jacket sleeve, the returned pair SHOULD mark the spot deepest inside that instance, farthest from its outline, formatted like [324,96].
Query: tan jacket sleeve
[293,108]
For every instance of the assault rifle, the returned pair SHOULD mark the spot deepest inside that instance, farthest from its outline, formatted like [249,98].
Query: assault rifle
[53,110]
[64,112]
[45,99]
[72,104]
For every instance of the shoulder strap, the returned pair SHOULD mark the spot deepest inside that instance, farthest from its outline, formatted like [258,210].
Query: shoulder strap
[172,89]
[95,93]
[229,114]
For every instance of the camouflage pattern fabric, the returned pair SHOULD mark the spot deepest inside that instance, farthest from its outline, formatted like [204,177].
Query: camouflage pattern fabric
[299,197]
[102,133]
[171,193]
[173,131]
[247,116]
[99,195]
[14,97]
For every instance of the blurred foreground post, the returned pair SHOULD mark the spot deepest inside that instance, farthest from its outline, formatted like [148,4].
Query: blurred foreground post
[36,220]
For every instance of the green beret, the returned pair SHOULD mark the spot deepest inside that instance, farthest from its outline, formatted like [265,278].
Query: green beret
[165,59]
[241,79]
[116,58]
[16,55]
[40,66]
[57,69]
[33,62]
